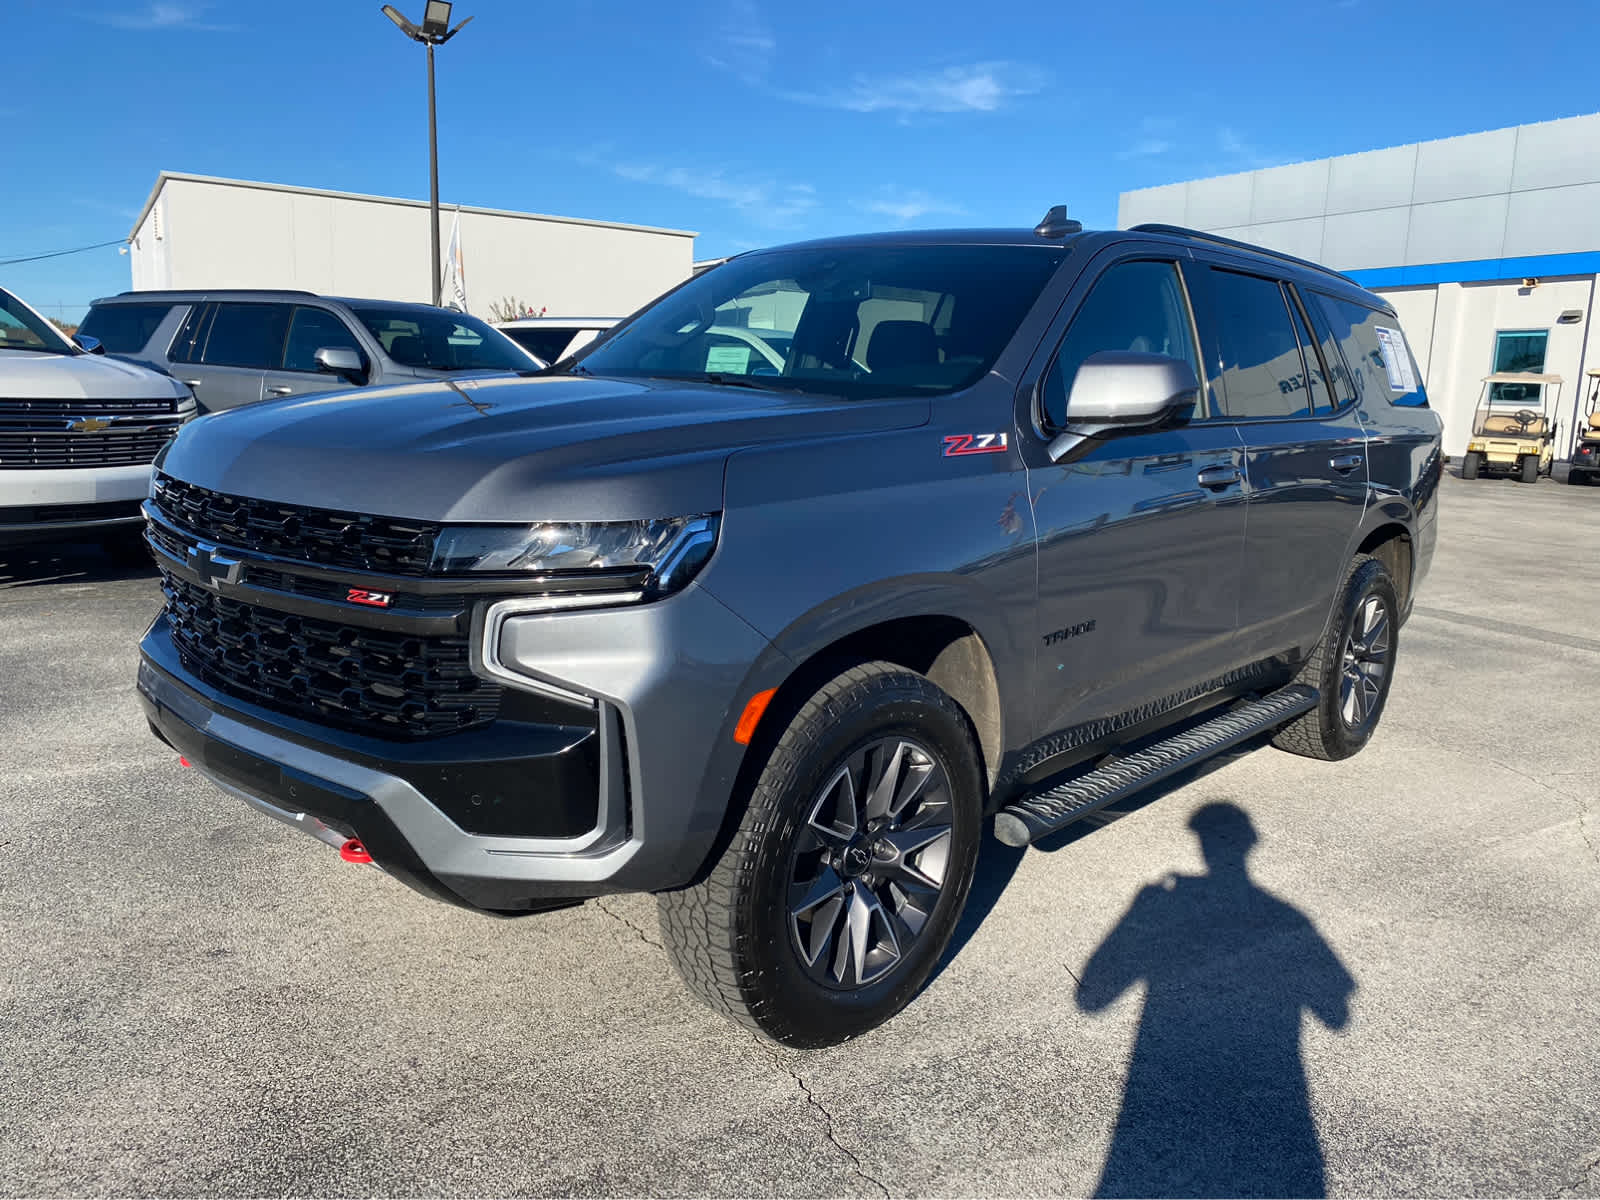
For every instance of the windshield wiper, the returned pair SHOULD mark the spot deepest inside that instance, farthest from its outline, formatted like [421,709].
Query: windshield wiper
[722,380]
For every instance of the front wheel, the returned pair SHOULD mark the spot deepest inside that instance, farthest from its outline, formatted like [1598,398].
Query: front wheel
[1351,667]
[1471,461]
[843,883]
[1530,468]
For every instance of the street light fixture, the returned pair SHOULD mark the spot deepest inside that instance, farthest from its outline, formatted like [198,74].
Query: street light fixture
[434,31]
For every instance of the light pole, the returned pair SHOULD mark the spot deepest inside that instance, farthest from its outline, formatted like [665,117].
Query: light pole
[434,31]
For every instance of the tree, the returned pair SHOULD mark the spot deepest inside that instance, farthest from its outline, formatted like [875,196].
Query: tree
[509,308]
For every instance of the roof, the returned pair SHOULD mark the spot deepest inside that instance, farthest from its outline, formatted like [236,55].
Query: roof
[218,181]
[1521,377]
[259,295]
[557,323]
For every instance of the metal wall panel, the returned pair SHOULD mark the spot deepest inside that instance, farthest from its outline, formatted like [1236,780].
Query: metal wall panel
[1376,179]
[1557,153]
[1356,240]
[1456,229]
[1219,203]
[1553,220]
[1290,193]
[1163,205]
[1456,168]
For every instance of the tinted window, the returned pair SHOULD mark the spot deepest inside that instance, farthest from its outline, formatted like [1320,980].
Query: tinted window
[310,331]
[845,320]
[1259,362]
[1316,386]
[542,343]
[1339,376]
[191,337]
[246,335]
[440,340]
[1137,306]
[1380,361]
[124,328]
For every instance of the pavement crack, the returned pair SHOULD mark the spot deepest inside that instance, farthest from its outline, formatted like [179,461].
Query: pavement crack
[616,916]
[1583,1177]
[1577,801]
[829,1130]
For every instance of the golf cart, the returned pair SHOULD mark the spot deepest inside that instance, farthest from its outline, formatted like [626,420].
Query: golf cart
[1513,432]
[1586,454]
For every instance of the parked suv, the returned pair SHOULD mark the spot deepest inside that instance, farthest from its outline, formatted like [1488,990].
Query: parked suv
[78,432]
[238,347]
[1026,521]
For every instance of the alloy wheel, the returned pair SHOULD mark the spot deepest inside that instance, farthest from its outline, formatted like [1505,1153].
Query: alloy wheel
[870,863]
[1364,665]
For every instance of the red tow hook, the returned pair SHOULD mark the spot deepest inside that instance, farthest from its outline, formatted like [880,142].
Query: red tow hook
[184,762]
[354,852]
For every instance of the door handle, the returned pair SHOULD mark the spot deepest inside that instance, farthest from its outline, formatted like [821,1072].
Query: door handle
[1344,463]
[1217,478]
[280,390]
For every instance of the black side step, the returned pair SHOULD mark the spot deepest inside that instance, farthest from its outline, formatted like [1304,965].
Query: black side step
[1033,817]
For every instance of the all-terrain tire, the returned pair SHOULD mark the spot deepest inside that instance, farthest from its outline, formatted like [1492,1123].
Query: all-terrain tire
[1327,732]
[732,936]
[1470,463]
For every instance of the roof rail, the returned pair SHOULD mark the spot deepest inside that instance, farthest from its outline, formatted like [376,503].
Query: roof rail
[209,291]
[1200,236]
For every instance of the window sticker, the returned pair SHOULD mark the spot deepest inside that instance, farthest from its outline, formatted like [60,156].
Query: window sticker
[731,360]
[1396,359]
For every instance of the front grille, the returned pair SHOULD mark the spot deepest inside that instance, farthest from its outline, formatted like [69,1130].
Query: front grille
[64,409]
[323,536]
[21,448]
[391,685]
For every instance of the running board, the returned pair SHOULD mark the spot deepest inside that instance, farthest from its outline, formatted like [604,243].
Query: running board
[1034,817]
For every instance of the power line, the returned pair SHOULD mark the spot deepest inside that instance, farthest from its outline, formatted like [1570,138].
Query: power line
[11,262]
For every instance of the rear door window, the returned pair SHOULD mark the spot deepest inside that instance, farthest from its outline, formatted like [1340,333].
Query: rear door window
[247,335]
[191,339]
[313,329]
[124,328]
[1259,366]
[1344,391]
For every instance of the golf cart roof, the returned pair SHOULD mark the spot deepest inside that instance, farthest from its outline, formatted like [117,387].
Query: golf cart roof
[1520,377]
[1592,372]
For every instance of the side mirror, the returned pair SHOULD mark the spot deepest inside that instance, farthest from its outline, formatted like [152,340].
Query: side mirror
[343,362]
[1121,389]
[89,345]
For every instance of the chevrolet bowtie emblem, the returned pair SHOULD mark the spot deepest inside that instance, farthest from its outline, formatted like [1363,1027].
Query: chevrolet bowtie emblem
[213,567]
[88,425]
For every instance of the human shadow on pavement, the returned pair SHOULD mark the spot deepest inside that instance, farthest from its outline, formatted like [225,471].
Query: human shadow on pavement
[1216,1101]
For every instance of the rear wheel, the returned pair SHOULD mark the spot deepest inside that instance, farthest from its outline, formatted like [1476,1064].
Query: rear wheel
[1577,477]
[1471,462]
[843,883]
[1530,468]
[1351,668]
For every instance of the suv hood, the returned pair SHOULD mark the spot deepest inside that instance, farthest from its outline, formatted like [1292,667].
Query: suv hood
[510,448]
[35,375]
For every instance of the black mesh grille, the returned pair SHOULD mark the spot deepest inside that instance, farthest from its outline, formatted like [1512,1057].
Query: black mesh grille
[392,685]
[21,448]
[62,409]
[314,535]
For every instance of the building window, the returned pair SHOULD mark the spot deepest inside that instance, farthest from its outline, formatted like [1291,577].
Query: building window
[1518,350]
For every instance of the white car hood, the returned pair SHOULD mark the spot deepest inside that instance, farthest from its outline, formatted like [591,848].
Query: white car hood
[35,375]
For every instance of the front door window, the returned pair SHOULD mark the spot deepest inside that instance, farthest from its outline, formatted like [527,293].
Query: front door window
[1518,350]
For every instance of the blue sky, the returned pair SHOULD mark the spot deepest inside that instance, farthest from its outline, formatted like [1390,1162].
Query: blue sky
[751,123]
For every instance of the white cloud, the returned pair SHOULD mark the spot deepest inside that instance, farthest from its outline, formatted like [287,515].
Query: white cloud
[904,207]
[765,201]
[163,14]
[1148,147]
[1243,153]
[981,87]
[745,45]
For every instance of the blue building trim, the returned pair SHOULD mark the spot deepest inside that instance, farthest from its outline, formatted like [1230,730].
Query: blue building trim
[1480,270]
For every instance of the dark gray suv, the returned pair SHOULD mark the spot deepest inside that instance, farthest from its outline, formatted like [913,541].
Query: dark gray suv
[238,347]
[1025,521]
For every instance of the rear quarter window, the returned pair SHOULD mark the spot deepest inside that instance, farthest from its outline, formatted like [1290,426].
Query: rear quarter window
[124,328]
[1381,363]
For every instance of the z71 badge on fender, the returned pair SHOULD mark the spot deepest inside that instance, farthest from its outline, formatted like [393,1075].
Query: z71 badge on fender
[957,444]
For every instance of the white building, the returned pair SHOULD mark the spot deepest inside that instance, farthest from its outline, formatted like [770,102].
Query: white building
[200,232]
[1488,246]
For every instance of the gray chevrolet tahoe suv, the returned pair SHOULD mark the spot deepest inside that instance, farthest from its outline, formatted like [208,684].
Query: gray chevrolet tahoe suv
[239,347]
[1026,521]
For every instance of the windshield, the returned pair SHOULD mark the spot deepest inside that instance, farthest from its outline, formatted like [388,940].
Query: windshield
[851,321]
[441,341]
[23,329]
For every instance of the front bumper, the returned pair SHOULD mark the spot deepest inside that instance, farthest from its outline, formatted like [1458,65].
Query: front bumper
[57,504]
[664,680]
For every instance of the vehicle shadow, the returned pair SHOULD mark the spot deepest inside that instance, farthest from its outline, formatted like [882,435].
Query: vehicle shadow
[69,562]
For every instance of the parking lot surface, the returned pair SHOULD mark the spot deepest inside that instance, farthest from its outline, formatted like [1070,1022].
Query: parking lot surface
[1397,991]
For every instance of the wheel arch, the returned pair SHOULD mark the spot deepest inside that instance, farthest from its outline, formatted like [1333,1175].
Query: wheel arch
[1390,543]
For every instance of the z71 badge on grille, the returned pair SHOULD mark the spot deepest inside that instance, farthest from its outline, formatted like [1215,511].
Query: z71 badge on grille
[370,599]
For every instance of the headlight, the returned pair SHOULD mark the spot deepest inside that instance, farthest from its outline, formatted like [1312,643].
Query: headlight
[651,558]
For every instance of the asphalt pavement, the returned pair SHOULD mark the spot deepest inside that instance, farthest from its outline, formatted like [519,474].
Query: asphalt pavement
[1395,991]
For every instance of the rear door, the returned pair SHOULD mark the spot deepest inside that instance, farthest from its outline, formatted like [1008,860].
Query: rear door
[311,329]
[228,347]
[1140,534]
[1305,455]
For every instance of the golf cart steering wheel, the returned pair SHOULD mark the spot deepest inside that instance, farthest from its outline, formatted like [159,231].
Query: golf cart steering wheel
[1524,417]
